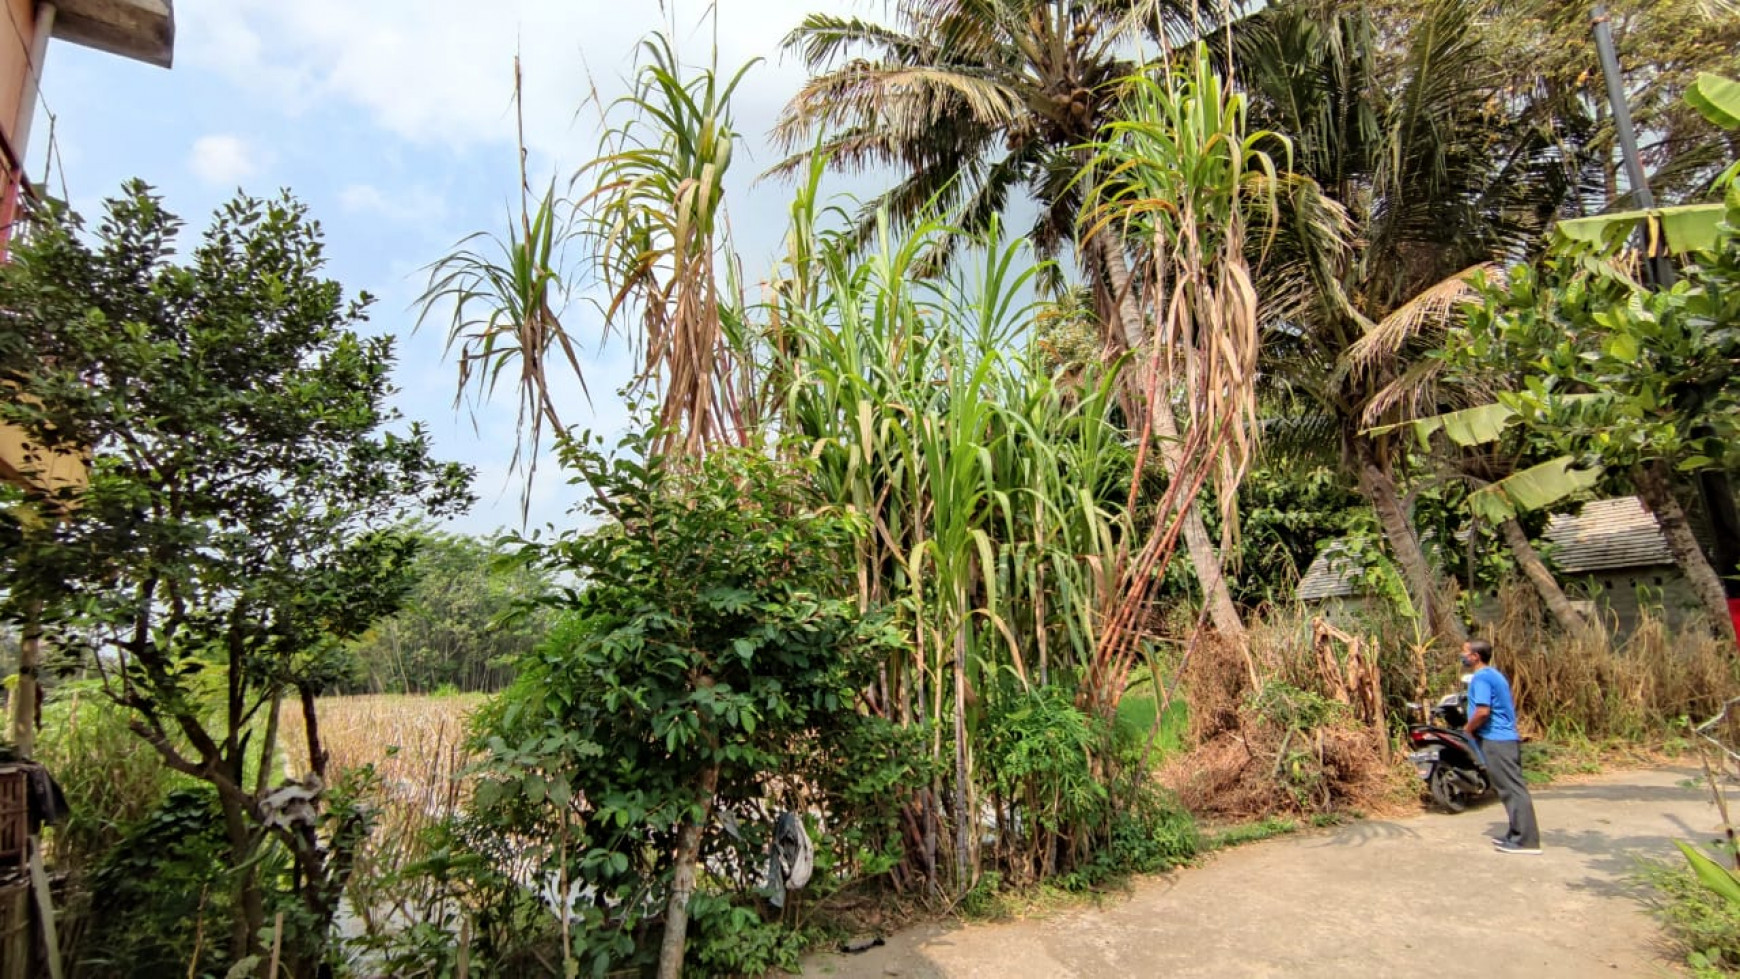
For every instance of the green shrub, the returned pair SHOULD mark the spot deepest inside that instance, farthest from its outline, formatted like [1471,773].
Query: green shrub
[1153,835]
[161,893]
[703,678]
[1038,748]
[1702,923]
[728,939]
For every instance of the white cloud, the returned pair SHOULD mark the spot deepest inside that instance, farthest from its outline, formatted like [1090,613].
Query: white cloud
[362,198]
[221,159]
[437,75]
[441,71]
[413,205]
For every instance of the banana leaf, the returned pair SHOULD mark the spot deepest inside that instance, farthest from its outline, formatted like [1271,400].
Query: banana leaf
[1533,488]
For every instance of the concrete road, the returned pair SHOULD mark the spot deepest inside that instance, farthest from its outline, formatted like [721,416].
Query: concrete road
[1421,896]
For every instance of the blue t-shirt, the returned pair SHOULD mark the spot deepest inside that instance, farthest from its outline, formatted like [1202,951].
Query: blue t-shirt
[1488,687]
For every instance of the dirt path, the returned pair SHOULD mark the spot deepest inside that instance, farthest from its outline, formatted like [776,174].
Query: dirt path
[1420,896]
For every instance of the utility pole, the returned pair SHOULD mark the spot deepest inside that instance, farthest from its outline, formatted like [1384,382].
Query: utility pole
[1714,489]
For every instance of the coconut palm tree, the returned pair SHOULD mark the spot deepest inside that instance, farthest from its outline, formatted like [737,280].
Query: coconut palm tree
[973,102]
[1415,168]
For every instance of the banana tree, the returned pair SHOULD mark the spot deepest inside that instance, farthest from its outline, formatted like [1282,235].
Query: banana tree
[1499,501]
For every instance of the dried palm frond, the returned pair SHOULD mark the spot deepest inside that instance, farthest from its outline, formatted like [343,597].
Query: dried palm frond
[1427,314]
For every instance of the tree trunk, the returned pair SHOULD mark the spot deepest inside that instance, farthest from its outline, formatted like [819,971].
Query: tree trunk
[683,881]
[1429,601]
[1529,560]
[249,916]
[26,691]
[1203,556]
[1655,486]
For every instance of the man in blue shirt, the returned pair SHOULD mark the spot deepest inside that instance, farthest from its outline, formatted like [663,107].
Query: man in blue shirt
[1492,723]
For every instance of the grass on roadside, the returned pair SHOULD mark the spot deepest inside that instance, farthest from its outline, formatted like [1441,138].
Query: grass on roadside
[1242,833]
[1702,926]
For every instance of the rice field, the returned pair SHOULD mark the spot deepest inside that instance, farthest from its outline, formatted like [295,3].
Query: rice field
[410,739]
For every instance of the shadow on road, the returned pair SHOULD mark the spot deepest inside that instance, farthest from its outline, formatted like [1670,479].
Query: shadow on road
[1365,833]
[1622,793]
[1613,861]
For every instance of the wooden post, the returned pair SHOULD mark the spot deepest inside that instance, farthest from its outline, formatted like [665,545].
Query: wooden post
[45,909]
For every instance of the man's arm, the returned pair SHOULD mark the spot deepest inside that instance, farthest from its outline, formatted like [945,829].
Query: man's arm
[1477,720]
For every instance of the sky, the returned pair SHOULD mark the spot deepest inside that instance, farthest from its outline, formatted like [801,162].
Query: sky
[393,121]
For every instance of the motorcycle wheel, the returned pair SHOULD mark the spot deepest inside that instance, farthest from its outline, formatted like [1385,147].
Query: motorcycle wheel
[1445,791]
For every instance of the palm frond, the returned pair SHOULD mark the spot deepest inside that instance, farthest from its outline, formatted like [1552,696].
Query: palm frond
[1430,309]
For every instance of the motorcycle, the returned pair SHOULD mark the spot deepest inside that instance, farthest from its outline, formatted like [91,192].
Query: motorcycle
[1448,760]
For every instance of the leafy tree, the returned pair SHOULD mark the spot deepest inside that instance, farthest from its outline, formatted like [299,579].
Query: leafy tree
[1288,509]
[1411,167]
[462,624]
[240,520]
[703,676]
[1619,377]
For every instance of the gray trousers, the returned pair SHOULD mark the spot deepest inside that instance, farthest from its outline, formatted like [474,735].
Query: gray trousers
[1504,766]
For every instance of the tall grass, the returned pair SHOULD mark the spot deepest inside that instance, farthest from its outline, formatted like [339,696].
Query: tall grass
[110,784]
[1589,685]
[992,487]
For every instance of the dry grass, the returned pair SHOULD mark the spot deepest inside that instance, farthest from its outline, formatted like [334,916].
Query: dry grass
[1245,766]
[1592,687]
[416,747]
[404,737]
[1586,701]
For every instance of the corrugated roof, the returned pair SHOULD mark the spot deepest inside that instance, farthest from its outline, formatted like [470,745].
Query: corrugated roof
[1605,535]
[1332,574]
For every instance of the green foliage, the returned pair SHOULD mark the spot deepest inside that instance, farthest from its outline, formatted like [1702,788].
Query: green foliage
[1661,362]
[1288,510]
[702,668]
[463,622]
[729,939]
[109,783]
[240,522]
[1703,922]
[1717,879]
[1252,832]
[1072,800]
[1150,833]
[161,892]
[1038,747]
[996,488]
[1297,713]
[1292,709]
